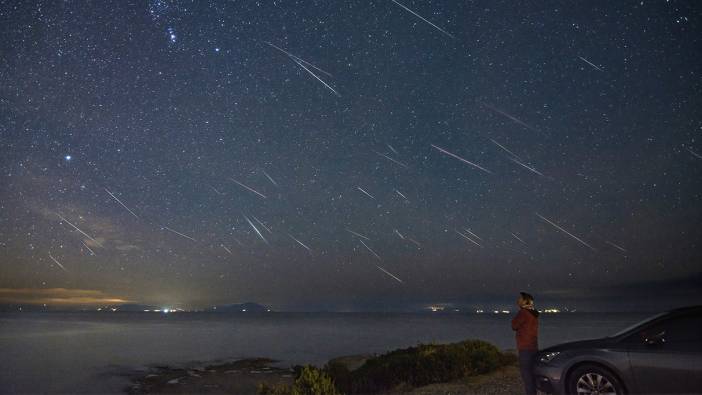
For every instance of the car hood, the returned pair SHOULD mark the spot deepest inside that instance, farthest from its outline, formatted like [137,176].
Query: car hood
[581,344]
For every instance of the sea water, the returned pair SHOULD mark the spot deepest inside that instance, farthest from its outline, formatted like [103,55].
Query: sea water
[97,352]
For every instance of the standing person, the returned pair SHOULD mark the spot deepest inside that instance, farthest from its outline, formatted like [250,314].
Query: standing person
[526,326]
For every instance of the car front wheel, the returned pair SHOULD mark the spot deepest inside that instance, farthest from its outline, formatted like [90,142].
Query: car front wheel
[593,380]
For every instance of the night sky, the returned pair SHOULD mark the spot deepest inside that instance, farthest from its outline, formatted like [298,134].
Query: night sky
[347,154]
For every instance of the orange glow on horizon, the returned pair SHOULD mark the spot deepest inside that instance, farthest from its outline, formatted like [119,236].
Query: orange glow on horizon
[63,296]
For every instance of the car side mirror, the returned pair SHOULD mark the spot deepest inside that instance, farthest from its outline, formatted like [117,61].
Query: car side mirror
[654,340]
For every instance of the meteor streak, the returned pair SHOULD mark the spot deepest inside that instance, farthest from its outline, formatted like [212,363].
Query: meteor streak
[76,228]
[262,224]
[178,233]
[391,159]
[511,117]
[461,159]
[590,63]
[357,234]
[517,237]
[505,149]
[255,229]
[300,243]
[469,239]
[616,246]
[474,235]
[315,76]
[389,274]
[565,231]
[366,193]
[415,242]
[401,195]
[250,189]
[695,154]
[531,169]
[58,263]
[89,249]
[422,18]
[371,250]
[120,202]
[270,178]
[295,57]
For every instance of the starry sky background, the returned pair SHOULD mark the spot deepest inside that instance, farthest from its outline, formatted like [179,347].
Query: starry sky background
[164,103]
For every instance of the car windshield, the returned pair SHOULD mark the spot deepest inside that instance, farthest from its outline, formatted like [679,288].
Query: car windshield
[642,322]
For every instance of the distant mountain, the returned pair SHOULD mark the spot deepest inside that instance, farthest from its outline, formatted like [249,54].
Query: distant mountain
[238,307]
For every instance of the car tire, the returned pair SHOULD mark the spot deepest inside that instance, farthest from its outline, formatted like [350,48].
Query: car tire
[593,379]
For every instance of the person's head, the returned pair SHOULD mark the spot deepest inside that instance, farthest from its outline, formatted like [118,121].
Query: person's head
[525,299]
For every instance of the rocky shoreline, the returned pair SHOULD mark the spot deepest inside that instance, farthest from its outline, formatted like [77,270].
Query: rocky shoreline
[236,377]
[244,376]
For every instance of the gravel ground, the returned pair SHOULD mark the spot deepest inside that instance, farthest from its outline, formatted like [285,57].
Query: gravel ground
[504,381]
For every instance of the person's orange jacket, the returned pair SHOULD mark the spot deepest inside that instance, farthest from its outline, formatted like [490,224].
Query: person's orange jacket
[526,324]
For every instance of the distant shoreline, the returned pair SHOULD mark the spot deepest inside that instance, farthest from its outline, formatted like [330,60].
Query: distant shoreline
[421,312]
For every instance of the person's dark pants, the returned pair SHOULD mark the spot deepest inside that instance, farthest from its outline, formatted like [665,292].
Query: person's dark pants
[526,363]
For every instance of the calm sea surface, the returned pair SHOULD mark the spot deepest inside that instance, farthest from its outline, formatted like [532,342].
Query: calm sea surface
[95,352]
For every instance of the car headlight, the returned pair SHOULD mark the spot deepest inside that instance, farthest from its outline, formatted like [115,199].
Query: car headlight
[548,357]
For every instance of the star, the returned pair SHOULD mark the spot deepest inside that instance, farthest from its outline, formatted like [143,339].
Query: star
[68,157]
[172,35]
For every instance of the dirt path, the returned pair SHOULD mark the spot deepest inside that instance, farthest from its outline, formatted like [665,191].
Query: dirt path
[504,381]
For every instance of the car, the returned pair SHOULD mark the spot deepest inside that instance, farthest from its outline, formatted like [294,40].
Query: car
[661,355]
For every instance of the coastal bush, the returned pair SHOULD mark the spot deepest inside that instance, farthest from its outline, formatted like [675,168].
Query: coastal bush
[340,373]
[509,359]
[421,365]
[309,381]
[410,367]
